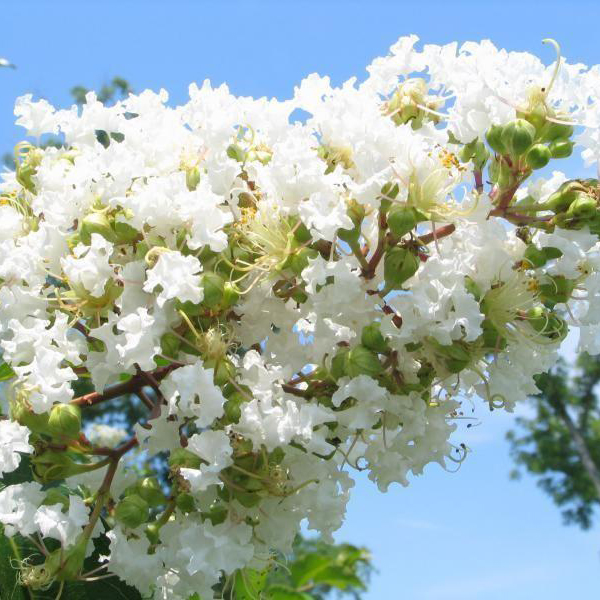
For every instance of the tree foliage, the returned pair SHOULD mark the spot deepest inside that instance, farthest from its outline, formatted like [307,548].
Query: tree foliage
[560,442]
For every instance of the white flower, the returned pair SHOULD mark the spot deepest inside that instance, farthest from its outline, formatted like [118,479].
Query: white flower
[178,276]
[14,439]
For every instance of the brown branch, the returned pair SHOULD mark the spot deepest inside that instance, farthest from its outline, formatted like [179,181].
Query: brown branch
[136,383]
[437,234]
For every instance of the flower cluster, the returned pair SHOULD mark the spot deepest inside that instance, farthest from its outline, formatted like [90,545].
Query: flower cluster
[290,300]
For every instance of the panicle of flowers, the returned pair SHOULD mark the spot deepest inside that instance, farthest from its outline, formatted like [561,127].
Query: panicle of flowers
[279,303]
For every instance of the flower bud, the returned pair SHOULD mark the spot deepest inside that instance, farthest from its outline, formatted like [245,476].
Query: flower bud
[192,178]
[399,265]
[560,200]
[132,511]
[65,421]
[149,490]
[538,156]
[534,256]
[55,496]
[583,207]
[556,131]
[96,222]
[235,152]
[233,406]
[373,339]
[362,361]
[561,149]
[125,233]
[401,219]
[214,286]
[170,344]
[180,457]
[185,502]
[517,136]
[230,295]
[223,370]
[556,289]
[50,466]
[339,363]
[493,137]
[23,415]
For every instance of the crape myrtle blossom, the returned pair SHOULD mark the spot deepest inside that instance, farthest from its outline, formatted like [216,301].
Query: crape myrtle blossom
[290,302]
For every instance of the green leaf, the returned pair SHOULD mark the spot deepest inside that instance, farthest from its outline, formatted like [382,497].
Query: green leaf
[249,584]
[321,570]
[282,592]
[9,555]
[6,372]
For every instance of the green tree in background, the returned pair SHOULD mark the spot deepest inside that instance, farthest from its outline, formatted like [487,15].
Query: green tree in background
[560,442]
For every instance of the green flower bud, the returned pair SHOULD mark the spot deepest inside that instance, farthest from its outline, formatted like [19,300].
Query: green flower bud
[185,502]
[180,457]
[224,370]
[480,156]
[538,156]
[401,219]
[236,153]
[96,222]
[560,200]
[169,345]
[362,361]
[517,137]
[534,256]
[472,288]
[373,339]
[556,131]
[152,532]
[230,296]
[217,513]
[561,149]
[390,190]
[51,466]
[399,265]
[125,233]
[55,496]
[299,260]
[65,421]
[583,207]
[555,290]
[339,363]
[132,511]
[214,287]
[192,178]
[233,406]
[23,415]
[493,137]
[149,489]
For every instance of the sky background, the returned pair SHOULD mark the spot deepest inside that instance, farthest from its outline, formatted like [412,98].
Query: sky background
[470,535]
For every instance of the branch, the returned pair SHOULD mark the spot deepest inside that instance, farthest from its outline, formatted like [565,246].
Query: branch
[136,383]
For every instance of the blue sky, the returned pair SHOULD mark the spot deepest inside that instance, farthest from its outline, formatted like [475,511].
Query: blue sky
[471,535]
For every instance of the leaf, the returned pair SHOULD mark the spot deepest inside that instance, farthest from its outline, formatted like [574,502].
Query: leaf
[9,588]
[249,584]
[6,372]
[282,592]
[321,570]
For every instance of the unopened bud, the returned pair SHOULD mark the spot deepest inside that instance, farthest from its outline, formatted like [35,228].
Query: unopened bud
[493,137]
[538,156]
[180,457]
[132,511]
[401,219]
[149,489]
[96,222]
[517,136]
[65,421]
[399,265]
[213,286]
[362,361]
[373,339]
[561,149]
